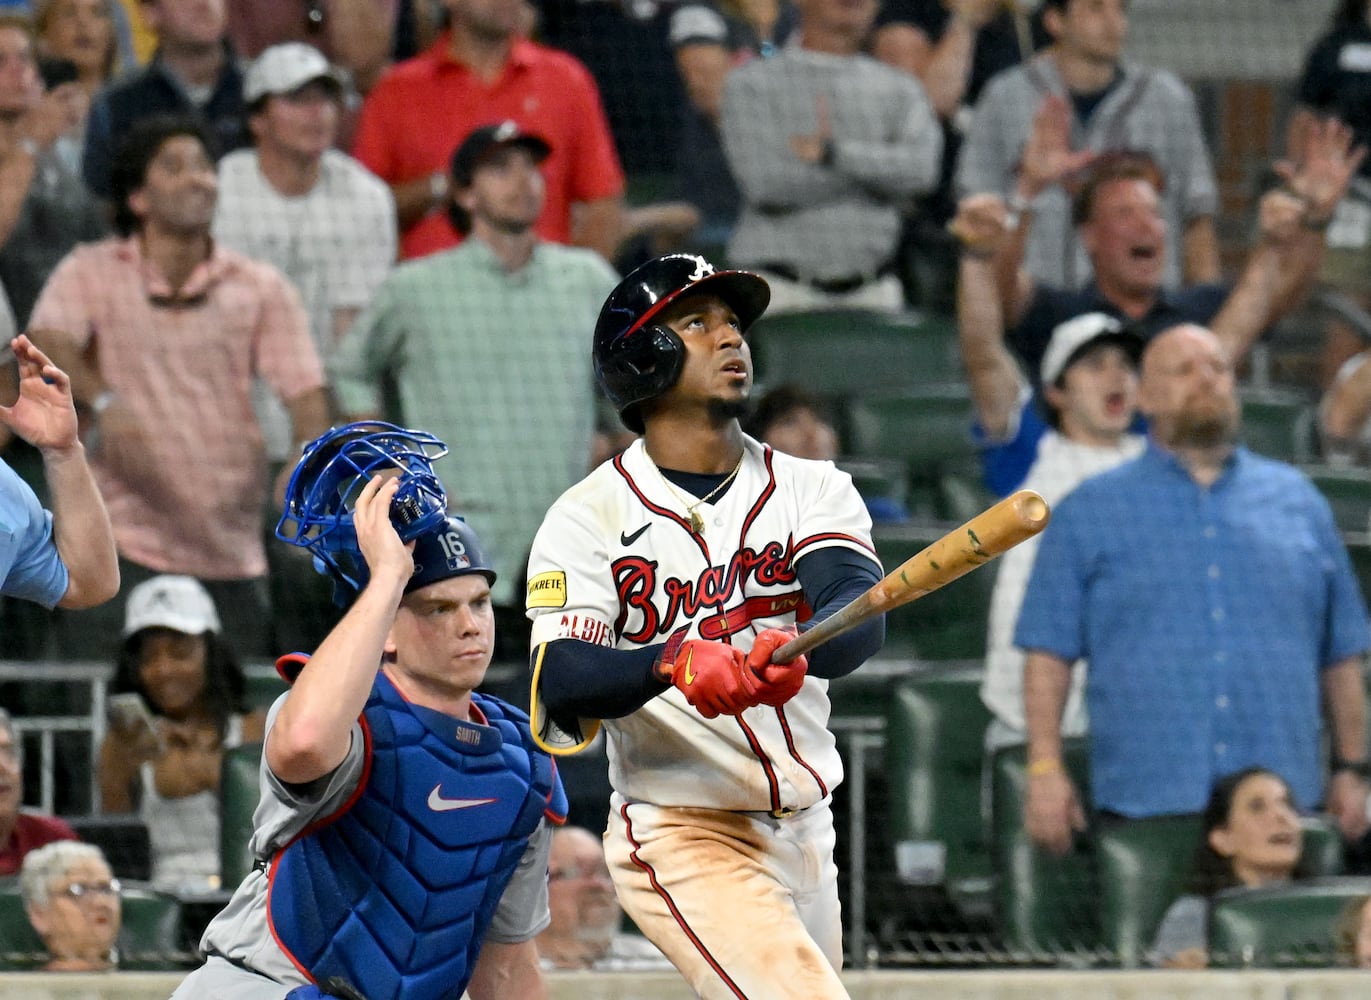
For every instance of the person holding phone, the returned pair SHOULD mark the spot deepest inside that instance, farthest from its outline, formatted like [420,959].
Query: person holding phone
[162,755]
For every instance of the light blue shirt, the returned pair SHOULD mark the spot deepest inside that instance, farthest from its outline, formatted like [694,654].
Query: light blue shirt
[1206,615]
[30,567]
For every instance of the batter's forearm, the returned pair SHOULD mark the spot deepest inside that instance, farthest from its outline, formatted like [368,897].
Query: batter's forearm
[1046,681]
[580,680]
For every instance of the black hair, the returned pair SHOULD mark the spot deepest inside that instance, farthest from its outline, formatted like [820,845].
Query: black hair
[136,151]
[777,403]
[1211,872]
[1349,14]
[225,684]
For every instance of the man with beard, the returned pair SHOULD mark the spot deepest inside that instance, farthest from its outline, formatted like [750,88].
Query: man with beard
[484,345]
[1211,593]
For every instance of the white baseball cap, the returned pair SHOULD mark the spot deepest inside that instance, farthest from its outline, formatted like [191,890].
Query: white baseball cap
[284,68]
[175,602]
[1077,335]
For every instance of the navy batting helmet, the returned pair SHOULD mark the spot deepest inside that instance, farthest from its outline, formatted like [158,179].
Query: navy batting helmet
[636,359]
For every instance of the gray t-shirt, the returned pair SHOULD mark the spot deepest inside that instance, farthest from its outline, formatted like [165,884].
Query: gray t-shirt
[244,960]
[1185,926]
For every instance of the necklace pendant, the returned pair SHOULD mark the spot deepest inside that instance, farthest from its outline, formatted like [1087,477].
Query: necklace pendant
[697,523]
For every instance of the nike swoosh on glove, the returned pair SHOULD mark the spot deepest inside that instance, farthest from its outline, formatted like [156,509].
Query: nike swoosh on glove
[711,676]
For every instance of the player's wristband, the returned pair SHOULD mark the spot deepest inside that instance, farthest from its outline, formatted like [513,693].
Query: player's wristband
[1043,767]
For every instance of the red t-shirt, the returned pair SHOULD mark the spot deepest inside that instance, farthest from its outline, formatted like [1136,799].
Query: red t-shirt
[30,833]
[423,108]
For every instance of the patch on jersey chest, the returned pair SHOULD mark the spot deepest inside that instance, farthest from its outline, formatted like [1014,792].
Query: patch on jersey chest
[547,590]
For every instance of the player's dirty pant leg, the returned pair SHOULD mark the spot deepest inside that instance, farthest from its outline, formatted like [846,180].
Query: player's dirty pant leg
[743,906]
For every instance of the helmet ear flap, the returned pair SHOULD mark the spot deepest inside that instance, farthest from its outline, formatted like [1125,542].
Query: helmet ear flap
[641,367]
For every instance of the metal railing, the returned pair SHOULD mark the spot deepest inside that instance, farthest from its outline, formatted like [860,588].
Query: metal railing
[92,674]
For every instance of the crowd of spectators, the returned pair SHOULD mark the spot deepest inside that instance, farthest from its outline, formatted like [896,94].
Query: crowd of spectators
[230,225]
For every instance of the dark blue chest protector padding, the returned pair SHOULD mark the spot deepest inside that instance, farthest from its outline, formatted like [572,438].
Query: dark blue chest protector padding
[394,893]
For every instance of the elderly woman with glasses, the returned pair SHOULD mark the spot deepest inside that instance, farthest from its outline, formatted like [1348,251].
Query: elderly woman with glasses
[72,901]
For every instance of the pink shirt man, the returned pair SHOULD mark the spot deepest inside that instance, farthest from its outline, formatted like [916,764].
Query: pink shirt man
[191,500]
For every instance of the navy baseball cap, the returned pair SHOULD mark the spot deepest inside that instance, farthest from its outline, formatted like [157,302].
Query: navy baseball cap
[483,141]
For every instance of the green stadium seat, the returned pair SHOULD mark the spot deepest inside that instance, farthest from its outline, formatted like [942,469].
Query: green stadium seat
[150,939]
[849,353]
[238,796]
[264,685]
[948,624]
[1280,926]
[1143,866]
[1359,551]
[1046,905]
[1278,423]
[935,757]
[877,478]
[1348,492]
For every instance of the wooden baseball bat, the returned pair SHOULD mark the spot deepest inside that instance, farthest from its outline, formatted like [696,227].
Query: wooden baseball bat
[992,532]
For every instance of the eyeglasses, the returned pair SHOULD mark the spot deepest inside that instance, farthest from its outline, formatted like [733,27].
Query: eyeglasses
[81,890]
[598,872]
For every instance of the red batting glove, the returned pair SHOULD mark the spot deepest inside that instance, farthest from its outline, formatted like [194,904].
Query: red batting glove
[711,676]
[774,683]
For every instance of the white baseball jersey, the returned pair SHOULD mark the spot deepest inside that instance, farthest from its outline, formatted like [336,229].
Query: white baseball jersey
[615,563]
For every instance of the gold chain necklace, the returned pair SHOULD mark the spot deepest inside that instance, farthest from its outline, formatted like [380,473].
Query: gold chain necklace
[697,523]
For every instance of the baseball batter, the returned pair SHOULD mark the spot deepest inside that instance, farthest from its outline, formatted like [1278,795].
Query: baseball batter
[658,588]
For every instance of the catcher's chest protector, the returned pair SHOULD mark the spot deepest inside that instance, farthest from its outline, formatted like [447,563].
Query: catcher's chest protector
[394,893]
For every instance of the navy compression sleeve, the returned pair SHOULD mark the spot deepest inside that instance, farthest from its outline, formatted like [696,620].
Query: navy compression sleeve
[582,680]
[831,577]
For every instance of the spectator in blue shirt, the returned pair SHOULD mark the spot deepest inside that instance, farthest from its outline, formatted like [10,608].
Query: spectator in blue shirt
[1212,594]
[65,557]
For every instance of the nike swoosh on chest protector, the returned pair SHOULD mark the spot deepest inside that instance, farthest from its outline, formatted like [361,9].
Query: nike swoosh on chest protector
[437,803]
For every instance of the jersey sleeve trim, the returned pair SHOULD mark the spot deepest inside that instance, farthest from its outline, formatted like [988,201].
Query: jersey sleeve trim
[547,734]
[825,537]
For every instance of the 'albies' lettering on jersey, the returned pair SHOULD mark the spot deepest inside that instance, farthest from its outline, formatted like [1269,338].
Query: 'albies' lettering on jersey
[678,599]
[586,629]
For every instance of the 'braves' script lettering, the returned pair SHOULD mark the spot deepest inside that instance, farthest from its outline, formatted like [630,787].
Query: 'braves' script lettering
[666,603]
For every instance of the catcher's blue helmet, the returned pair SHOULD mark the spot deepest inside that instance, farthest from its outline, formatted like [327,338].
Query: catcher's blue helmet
[332,471]
[450,549]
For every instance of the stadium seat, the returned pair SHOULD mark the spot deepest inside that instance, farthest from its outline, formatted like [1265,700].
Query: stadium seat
[934,749]
[1143,866]
[948,624]
[878,478]
[929,430]
[1278,423]
[1046,905]
[264,685]
[847,353]
[1348,492]
[1280,926]
[20,946]
[151,939]
[238,795]
[122,837]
